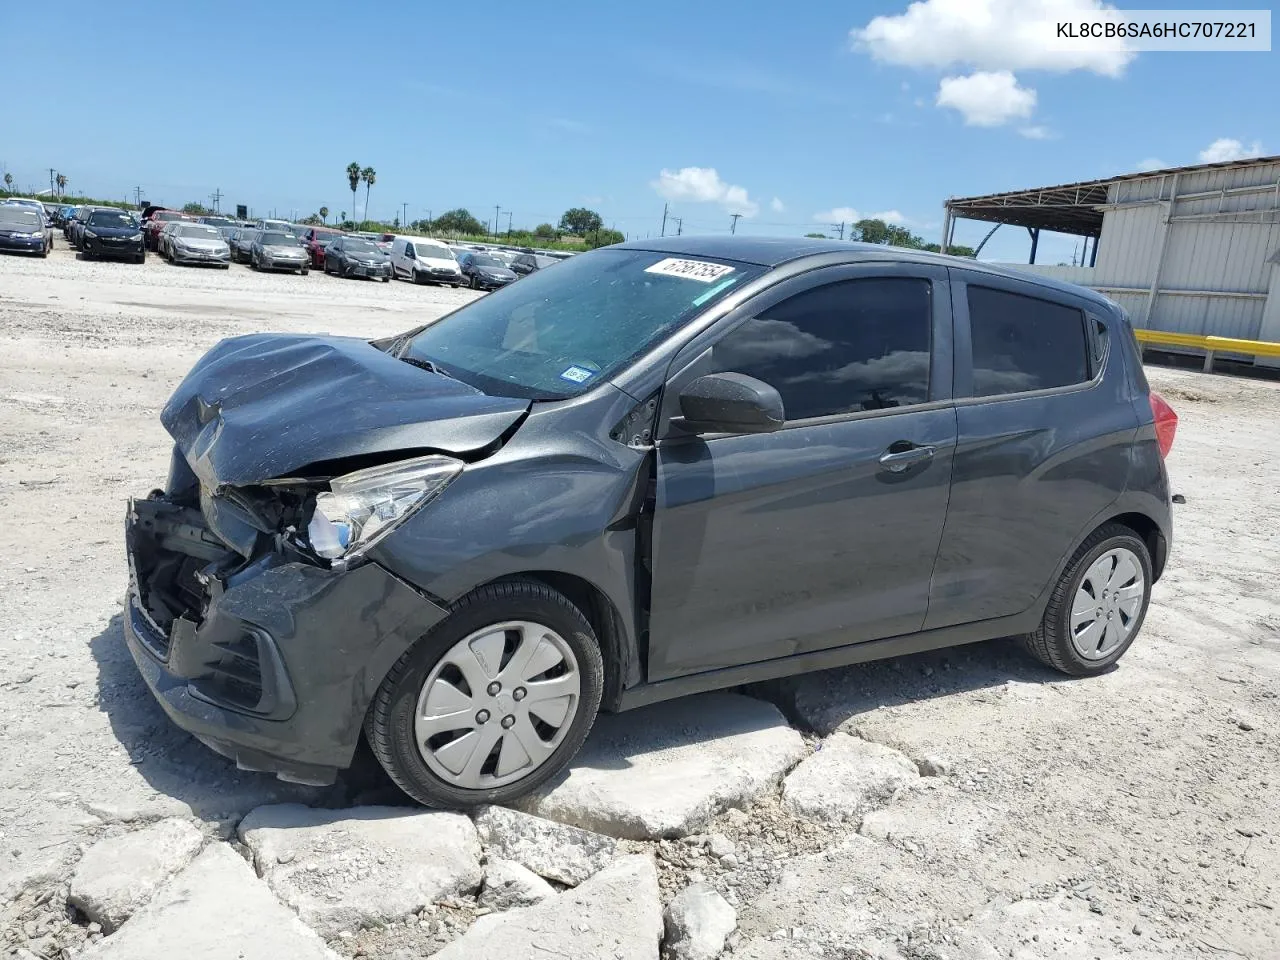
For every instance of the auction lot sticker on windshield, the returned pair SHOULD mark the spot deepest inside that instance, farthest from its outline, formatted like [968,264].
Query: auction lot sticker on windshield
[699,270]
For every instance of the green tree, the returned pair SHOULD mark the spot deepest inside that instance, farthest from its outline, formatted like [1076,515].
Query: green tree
[8,182]
[870,231]
[395,223]
[196,209]
[817,236]
[580,221]
[459,221]
[353,178]
[545,231]
[602,237]
[324,215]
[369,176]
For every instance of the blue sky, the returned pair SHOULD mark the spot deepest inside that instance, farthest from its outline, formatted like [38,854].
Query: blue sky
[776,112]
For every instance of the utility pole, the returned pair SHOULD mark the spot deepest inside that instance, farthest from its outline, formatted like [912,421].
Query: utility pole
[664,220]
[839,226]
[679,225]
[216,197]
[404,216]
[508,224]
[733,227]
[496,209]
[52,172]
[137,196]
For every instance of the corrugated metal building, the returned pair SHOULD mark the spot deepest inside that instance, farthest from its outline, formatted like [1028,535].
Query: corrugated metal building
[1187,250]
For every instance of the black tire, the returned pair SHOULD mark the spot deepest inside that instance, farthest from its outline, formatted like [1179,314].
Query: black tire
[140,258]
[389,725]
[302,272]
[253,262]
[1051,642]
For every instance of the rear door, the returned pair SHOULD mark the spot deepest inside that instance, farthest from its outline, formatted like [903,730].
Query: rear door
[1045,430]
[825,532]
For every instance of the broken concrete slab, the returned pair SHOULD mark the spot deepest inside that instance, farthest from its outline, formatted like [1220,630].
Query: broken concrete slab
[844,778]
[615,914]
[932,819]
[508,884]
[119,875]
[552,850]
[344,869]
[667,770]
[215,909]
[697,922]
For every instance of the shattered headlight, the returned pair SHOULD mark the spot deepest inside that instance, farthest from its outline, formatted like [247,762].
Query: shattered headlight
[363,507]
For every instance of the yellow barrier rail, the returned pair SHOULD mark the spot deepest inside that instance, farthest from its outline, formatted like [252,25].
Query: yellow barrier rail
[1210,345]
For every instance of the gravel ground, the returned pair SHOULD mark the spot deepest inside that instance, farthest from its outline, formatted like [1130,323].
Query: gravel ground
[1133,813]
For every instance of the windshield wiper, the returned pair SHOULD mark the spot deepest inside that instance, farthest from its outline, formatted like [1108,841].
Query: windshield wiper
[428,366]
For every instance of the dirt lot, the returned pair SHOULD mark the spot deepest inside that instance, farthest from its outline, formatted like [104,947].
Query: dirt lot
[1130,814]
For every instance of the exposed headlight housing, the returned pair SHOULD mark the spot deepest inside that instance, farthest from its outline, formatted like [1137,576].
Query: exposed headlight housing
[137,237]
[363,507]
[88,233]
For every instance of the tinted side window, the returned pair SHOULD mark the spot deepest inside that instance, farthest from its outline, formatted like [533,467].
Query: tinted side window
[1024,343]
[841,348]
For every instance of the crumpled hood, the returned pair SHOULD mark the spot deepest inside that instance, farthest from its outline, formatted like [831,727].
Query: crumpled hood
[262,406]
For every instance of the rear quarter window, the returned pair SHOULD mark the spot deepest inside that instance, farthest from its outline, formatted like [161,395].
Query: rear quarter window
[1025,343]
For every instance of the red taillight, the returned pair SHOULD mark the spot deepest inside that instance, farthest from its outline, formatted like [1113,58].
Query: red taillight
[1166,423]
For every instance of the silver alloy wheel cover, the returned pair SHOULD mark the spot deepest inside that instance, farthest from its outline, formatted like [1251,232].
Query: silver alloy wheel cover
[500,706]
[1107,604]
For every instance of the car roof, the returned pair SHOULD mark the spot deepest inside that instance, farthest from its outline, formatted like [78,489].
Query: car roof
[774,251]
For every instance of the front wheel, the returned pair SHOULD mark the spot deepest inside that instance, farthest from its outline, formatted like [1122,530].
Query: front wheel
[1097,608]
[493,702]
[303,271]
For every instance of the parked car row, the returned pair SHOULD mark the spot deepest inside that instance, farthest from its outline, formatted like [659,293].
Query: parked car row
[269,244]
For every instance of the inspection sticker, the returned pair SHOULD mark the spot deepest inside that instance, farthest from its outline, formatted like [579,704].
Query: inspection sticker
[699,270]
[577,374]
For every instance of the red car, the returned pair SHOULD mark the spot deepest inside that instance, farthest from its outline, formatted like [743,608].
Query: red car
[315,239]
[153,221]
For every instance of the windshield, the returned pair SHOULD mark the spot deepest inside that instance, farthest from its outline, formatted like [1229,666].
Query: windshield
[13,215]
[430,251]
[104,218]
[480,260]
[274,239]
[166,215]
[559,332]
[360,246]
[219,221]
[197,231]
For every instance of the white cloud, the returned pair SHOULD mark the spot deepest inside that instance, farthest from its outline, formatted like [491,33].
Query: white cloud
[993,35]
[837,215]
[987,99]
[1224,149]
[1037,132]
[890,216]
[777,206]
[1152,163]
[703,185]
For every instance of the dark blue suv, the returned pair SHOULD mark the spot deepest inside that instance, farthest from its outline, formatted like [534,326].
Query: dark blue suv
[662,467]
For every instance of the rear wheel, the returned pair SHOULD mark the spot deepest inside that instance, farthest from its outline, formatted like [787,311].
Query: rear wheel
[1097,608]
[492,702]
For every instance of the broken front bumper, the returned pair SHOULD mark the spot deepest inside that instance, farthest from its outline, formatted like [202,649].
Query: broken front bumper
[278,666]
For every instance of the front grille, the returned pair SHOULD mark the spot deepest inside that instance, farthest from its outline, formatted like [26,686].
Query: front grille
[233,672]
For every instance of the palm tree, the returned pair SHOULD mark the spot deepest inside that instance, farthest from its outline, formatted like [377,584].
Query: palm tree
[353,178]
[61,181]
[8,182]
[324,215]
[370,177]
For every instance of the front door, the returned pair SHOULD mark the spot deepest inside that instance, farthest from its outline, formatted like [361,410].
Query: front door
[825,532]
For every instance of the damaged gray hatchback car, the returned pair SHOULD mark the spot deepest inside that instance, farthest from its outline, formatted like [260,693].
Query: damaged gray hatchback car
[660,468]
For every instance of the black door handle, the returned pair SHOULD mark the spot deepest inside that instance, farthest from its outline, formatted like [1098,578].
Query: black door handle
[896,461]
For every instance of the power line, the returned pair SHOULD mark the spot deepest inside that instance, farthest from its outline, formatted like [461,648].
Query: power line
[733,227]
[840,227]
[216,197]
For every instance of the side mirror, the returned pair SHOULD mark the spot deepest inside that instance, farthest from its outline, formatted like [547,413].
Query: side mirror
[731,403]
